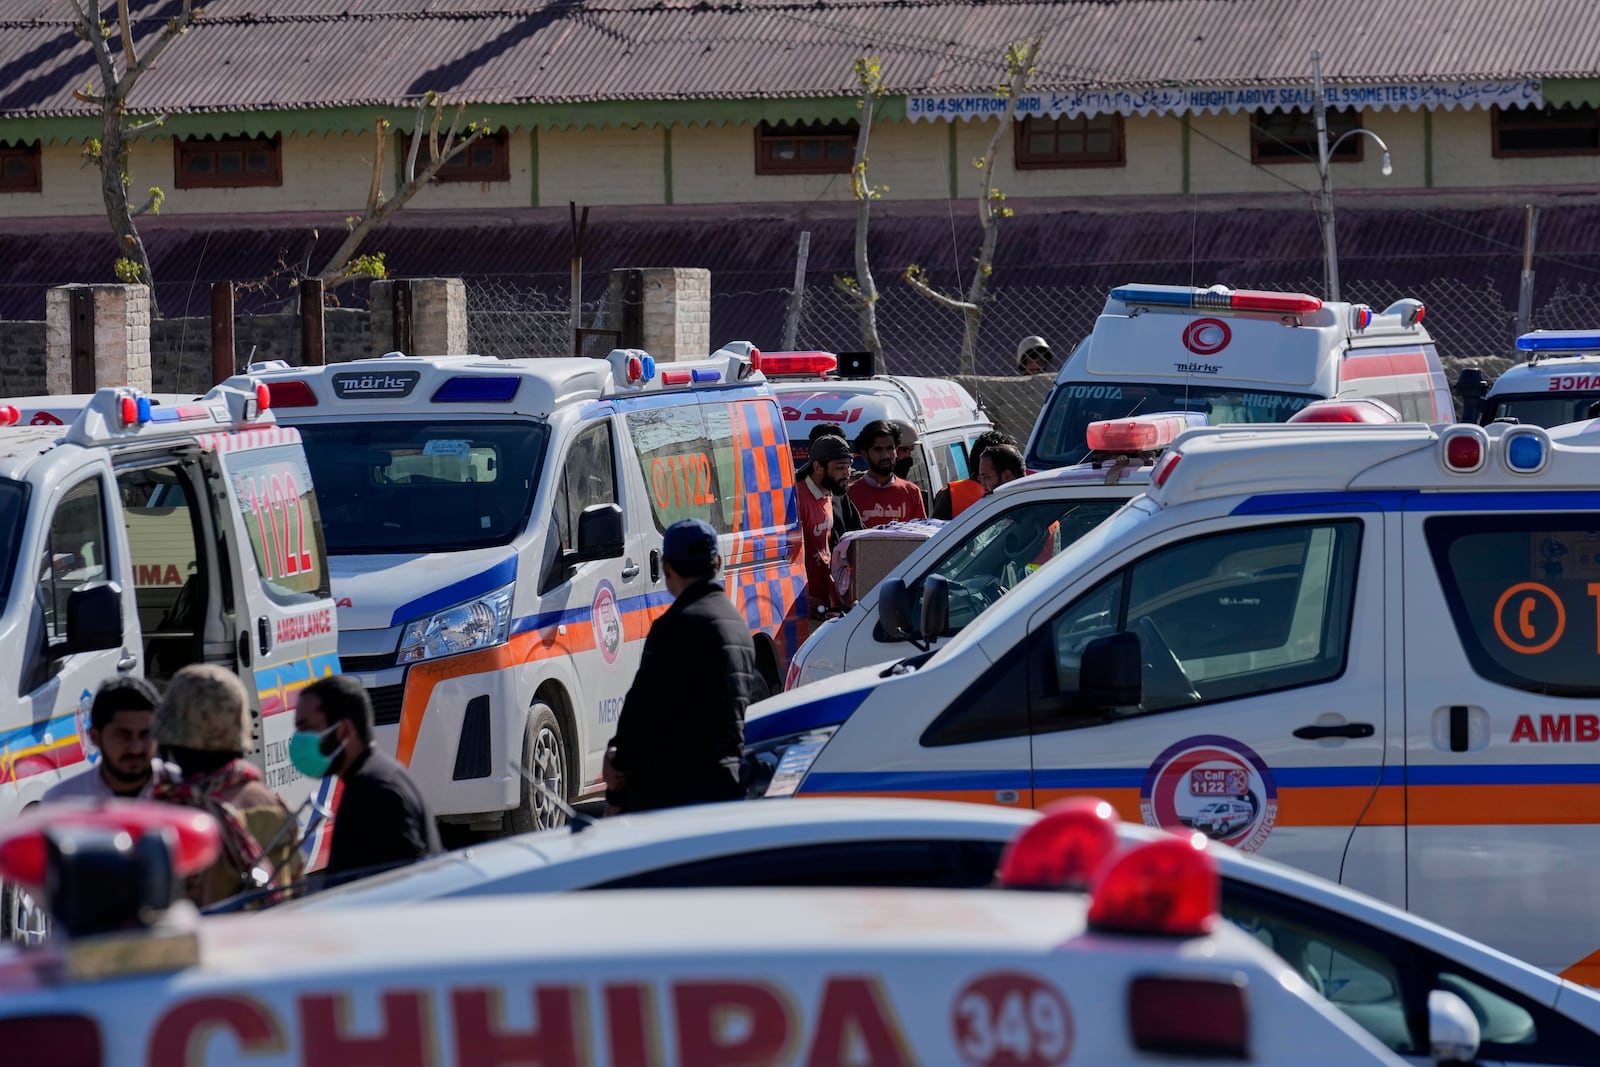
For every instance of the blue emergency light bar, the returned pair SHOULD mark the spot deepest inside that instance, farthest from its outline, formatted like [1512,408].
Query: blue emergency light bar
[1560,341]
[1219,298]
[467,389]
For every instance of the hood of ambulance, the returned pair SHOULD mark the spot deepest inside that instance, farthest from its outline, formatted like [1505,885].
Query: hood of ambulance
[375,592]
[827,702]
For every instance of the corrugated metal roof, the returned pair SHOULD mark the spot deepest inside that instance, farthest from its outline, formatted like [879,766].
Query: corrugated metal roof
[286,54]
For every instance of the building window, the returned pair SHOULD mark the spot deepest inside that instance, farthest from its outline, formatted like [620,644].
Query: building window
[1546,131]
[1083,141]
[228,162]
[805,147]
[488,159]
[1291,136]
[19,168]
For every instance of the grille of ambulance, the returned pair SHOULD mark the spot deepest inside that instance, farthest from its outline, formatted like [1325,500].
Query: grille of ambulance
[1559,383]
[1238,356]
[1160,978]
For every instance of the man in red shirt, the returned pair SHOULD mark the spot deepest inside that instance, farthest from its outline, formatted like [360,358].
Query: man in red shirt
[879,494]
[827,473]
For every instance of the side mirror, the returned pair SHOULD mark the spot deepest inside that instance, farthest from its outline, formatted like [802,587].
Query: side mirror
[1452,1028]
[894,609]
[599,534]
[1110,673]
[94,618]
[1471,387]
[935,606]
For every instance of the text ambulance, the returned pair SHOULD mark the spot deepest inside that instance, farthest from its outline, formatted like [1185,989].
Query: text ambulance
[494,528]
[1236,355]
[1140,969]
[101,494]
[1382,640]
[1559,383]
[812,391]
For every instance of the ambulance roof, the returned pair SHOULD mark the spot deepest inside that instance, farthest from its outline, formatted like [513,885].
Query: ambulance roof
[480,385]
[1227,336]
[936,403]
[1551,373]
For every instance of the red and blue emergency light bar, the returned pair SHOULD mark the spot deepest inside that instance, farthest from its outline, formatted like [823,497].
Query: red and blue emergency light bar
[1560,341]
[1216,298]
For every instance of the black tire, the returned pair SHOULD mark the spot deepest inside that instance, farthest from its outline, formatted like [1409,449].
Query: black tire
[544,753]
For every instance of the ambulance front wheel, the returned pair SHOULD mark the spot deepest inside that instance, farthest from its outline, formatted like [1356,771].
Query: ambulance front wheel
[544,754]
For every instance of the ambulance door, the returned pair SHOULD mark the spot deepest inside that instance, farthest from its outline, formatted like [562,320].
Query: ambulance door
[1502,690]
[283,636]
[1261,714]
[70,546]
[600,602]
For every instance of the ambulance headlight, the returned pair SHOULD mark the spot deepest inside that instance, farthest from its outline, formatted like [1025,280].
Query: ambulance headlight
[776,768]
[481,623]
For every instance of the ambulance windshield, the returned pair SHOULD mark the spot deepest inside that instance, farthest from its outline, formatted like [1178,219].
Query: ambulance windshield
[13,505]
[1074,405]
[1541,409]
[423,486]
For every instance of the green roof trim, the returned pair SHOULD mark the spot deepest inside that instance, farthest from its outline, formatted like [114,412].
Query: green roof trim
[596,115]
[1574,92]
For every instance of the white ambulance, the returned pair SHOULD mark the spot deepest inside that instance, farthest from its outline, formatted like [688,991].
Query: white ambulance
[1382,639]
[141,534]
[1559,383]
[1132,966]
[813,391]
[494,528]
[1236,355]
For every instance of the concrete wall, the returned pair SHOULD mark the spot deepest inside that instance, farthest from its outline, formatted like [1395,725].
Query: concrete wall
[717,165]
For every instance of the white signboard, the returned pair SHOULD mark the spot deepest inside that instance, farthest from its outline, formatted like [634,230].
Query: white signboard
[1391,97]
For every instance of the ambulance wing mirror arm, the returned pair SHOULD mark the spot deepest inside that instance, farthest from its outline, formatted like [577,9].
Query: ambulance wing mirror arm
[600,534]
[1453,1034]
[94,618]
[1110,674]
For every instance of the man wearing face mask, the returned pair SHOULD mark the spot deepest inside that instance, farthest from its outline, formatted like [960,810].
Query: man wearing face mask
[382,819]
[905,456]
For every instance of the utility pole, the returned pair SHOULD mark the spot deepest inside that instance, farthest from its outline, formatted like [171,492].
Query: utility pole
[1330,247]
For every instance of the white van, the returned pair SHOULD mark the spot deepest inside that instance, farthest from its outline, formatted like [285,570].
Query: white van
[1385,634]
[1236,355]
[1559,383]
[494,528]
[813,391]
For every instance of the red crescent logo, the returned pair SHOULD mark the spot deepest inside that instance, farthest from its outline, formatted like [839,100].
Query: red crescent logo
[1207,337]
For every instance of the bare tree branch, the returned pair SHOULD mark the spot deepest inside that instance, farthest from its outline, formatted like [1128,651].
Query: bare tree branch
[141,127]
[380,130]
[416,142]
[176,27]
[914,279]
[129,56]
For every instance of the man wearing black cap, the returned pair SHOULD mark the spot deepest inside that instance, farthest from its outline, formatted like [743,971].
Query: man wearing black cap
[680,737]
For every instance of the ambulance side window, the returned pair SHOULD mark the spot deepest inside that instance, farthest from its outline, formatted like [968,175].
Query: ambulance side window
[589,477]
[75,554]
[1218,617]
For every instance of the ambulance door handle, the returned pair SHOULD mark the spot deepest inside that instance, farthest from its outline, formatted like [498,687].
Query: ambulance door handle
[630,570]
[655,565]
[1348,729]
[264,634]
[127,663]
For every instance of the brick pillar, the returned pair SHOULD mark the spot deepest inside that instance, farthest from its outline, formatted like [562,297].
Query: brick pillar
[438,317]
[673,312]
[120,337]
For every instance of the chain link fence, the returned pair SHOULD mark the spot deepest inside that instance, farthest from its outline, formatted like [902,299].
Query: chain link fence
[1474,323]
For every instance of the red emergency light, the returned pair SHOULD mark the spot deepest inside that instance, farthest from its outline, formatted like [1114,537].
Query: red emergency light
[1464,449]
[1164,468]
[1356,409]
[293,394]
[676,377]
[1063,849]
[756,359]
[798,364]
[24,852]
[1168,887]
[9,415]
[263,397]
[1146,434]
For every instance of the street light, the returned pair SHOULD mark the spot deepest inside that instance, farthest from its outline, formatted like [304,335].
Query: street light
[1324,151]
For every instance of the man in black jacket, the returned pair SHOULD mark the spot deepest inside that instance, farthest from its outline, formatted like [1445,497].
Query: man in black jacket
[680,737]
[382,819]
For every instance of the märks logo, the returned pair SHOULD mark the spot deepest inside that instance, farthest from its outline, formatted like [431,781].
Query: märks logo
[1215,785]
[1207,337]
[85,704]
[606,618]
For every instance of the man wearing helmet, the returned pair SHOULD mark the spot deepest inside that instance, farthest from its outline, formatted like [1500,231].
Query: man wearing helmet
[1033,356]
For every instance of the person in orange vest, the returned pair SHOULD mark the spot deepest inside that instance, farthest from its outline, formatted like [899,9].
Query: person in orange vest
[961,494]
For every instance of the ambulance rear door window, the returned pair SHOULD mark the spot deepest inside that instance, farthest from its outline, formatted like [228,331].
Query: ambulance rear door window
[1523,592]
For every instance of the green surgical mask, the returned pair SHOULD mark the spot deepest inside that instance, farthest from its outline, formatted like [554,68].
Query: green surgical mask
[305,752]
